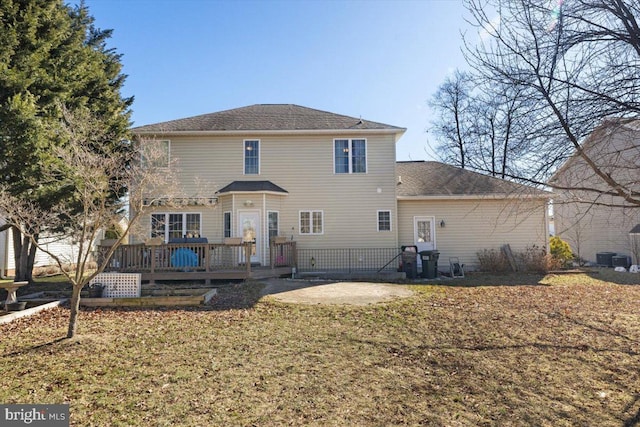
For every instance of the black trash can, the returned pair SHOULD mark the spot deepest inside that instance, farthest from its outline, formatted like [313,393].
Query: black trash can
[429,264]
[410,261]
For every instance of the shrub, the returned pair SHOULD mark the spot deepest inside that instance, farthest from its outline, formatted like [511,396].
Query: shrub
[532,259]
[114,232]
[535,259]
[492,261]
[561,251]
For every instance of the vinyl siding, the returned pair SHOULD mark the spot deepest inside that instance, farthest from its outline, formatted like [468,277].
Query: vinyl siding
[65,249]
[304,166]
[590,228]
[474,225]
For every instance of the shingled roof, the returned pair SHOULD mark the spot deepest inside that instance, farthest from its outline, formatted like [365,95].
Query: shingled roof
[266,117]
[250,186]
[431,179]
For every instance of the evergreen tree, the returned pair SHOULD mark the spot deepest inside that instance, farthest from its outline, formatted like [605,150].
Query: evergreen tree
[51,57]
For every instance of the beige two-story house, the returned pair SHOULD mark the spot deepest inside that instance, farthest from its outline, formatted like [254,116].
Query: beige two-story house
[330,181]
[322,179]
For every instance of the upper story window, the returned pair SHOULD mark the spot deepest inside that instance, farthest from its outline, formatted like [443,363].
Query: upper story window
[156,153]
[350,155]
[251,157]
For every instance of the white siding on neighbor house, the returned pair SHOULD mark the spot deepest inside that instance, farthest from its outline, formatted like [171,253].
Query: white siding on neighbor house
[476,224]
[303,165]
[65,249]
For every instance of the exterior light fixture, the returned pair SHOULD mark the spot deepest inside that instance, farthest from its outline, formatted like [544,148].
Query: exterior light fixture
[442,223]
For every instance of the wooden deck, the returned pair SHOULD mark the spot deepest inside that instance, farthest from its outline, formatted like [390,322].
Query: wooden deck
[199,261]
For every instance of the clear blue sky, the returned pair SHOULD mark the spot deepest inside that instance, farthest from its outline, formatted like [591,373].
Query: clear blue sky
[379,60]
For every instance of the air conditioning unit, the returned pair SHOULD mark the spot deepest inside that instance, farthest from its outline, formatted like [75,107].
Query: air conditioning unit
[621,261]
[605,259]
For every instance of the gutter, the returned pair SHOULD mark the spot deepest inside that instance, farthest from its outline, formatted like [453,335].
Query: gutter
[398,131]
[477,197]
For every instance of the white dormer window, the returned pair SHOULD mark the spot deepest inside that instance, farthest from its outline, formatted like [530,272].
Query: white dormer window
[350,155]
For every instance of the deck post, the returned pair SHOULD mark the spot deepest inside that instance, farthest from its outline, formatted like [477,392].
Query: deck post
[207,261]
[247,257]
[153,258]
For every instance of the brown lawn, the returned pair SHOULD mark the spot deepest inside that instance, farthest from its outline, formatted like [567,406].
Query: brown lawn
[529,350]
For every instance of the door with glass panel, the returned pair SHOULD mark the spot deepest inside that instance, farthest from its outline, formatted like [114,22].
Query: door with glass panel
[424,233]
[249,230]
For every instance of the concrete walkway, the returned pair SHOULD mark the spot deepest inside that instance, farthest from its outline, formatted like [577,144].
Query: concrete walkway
[326,292]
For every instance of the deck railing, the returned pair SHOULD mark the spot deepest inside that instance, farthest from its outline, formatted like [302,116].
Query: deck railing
[219,257]
[192,257]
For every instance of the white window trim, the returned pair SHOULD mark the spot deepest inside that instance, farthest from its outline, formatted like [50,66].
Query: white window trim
[366,156]
[166,222]
[311,212]
[244,156]
[378,220]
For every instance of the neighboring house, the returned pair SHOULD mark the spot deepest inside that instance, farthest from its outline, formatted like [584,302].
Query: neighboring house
[590,221]
[63,247]
[330,181]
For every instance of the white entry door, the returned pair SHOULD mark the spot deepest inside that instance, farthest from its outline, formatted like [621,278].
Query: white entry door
[424,233]
[249,230]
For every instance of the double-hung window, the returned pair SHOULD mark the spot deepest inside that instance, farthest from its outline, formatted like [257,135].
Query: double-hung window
[175,225]
[311,222]
[384,220]
[350,155]
[252,157]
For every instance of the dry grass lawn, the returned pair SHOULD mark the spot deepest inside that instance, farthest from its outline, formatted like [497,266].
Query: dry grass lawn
[530,350]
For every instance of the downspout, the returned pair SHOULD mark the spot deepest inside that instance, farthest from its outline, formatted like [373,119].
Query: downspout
[265,230]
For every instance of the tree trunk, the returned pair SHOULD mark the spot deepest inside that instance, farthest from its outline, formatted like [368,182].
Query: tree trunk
[75,311]
[24,252]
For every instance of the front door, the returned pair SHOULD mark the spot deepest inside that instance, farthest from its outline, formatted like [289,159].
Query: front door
[424,233]
[249,230]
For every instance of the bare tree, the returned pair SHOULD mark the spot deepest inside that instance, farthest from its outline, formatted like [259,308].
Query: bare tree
[92,174]
[454,126]
[481,126]
[577,63]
